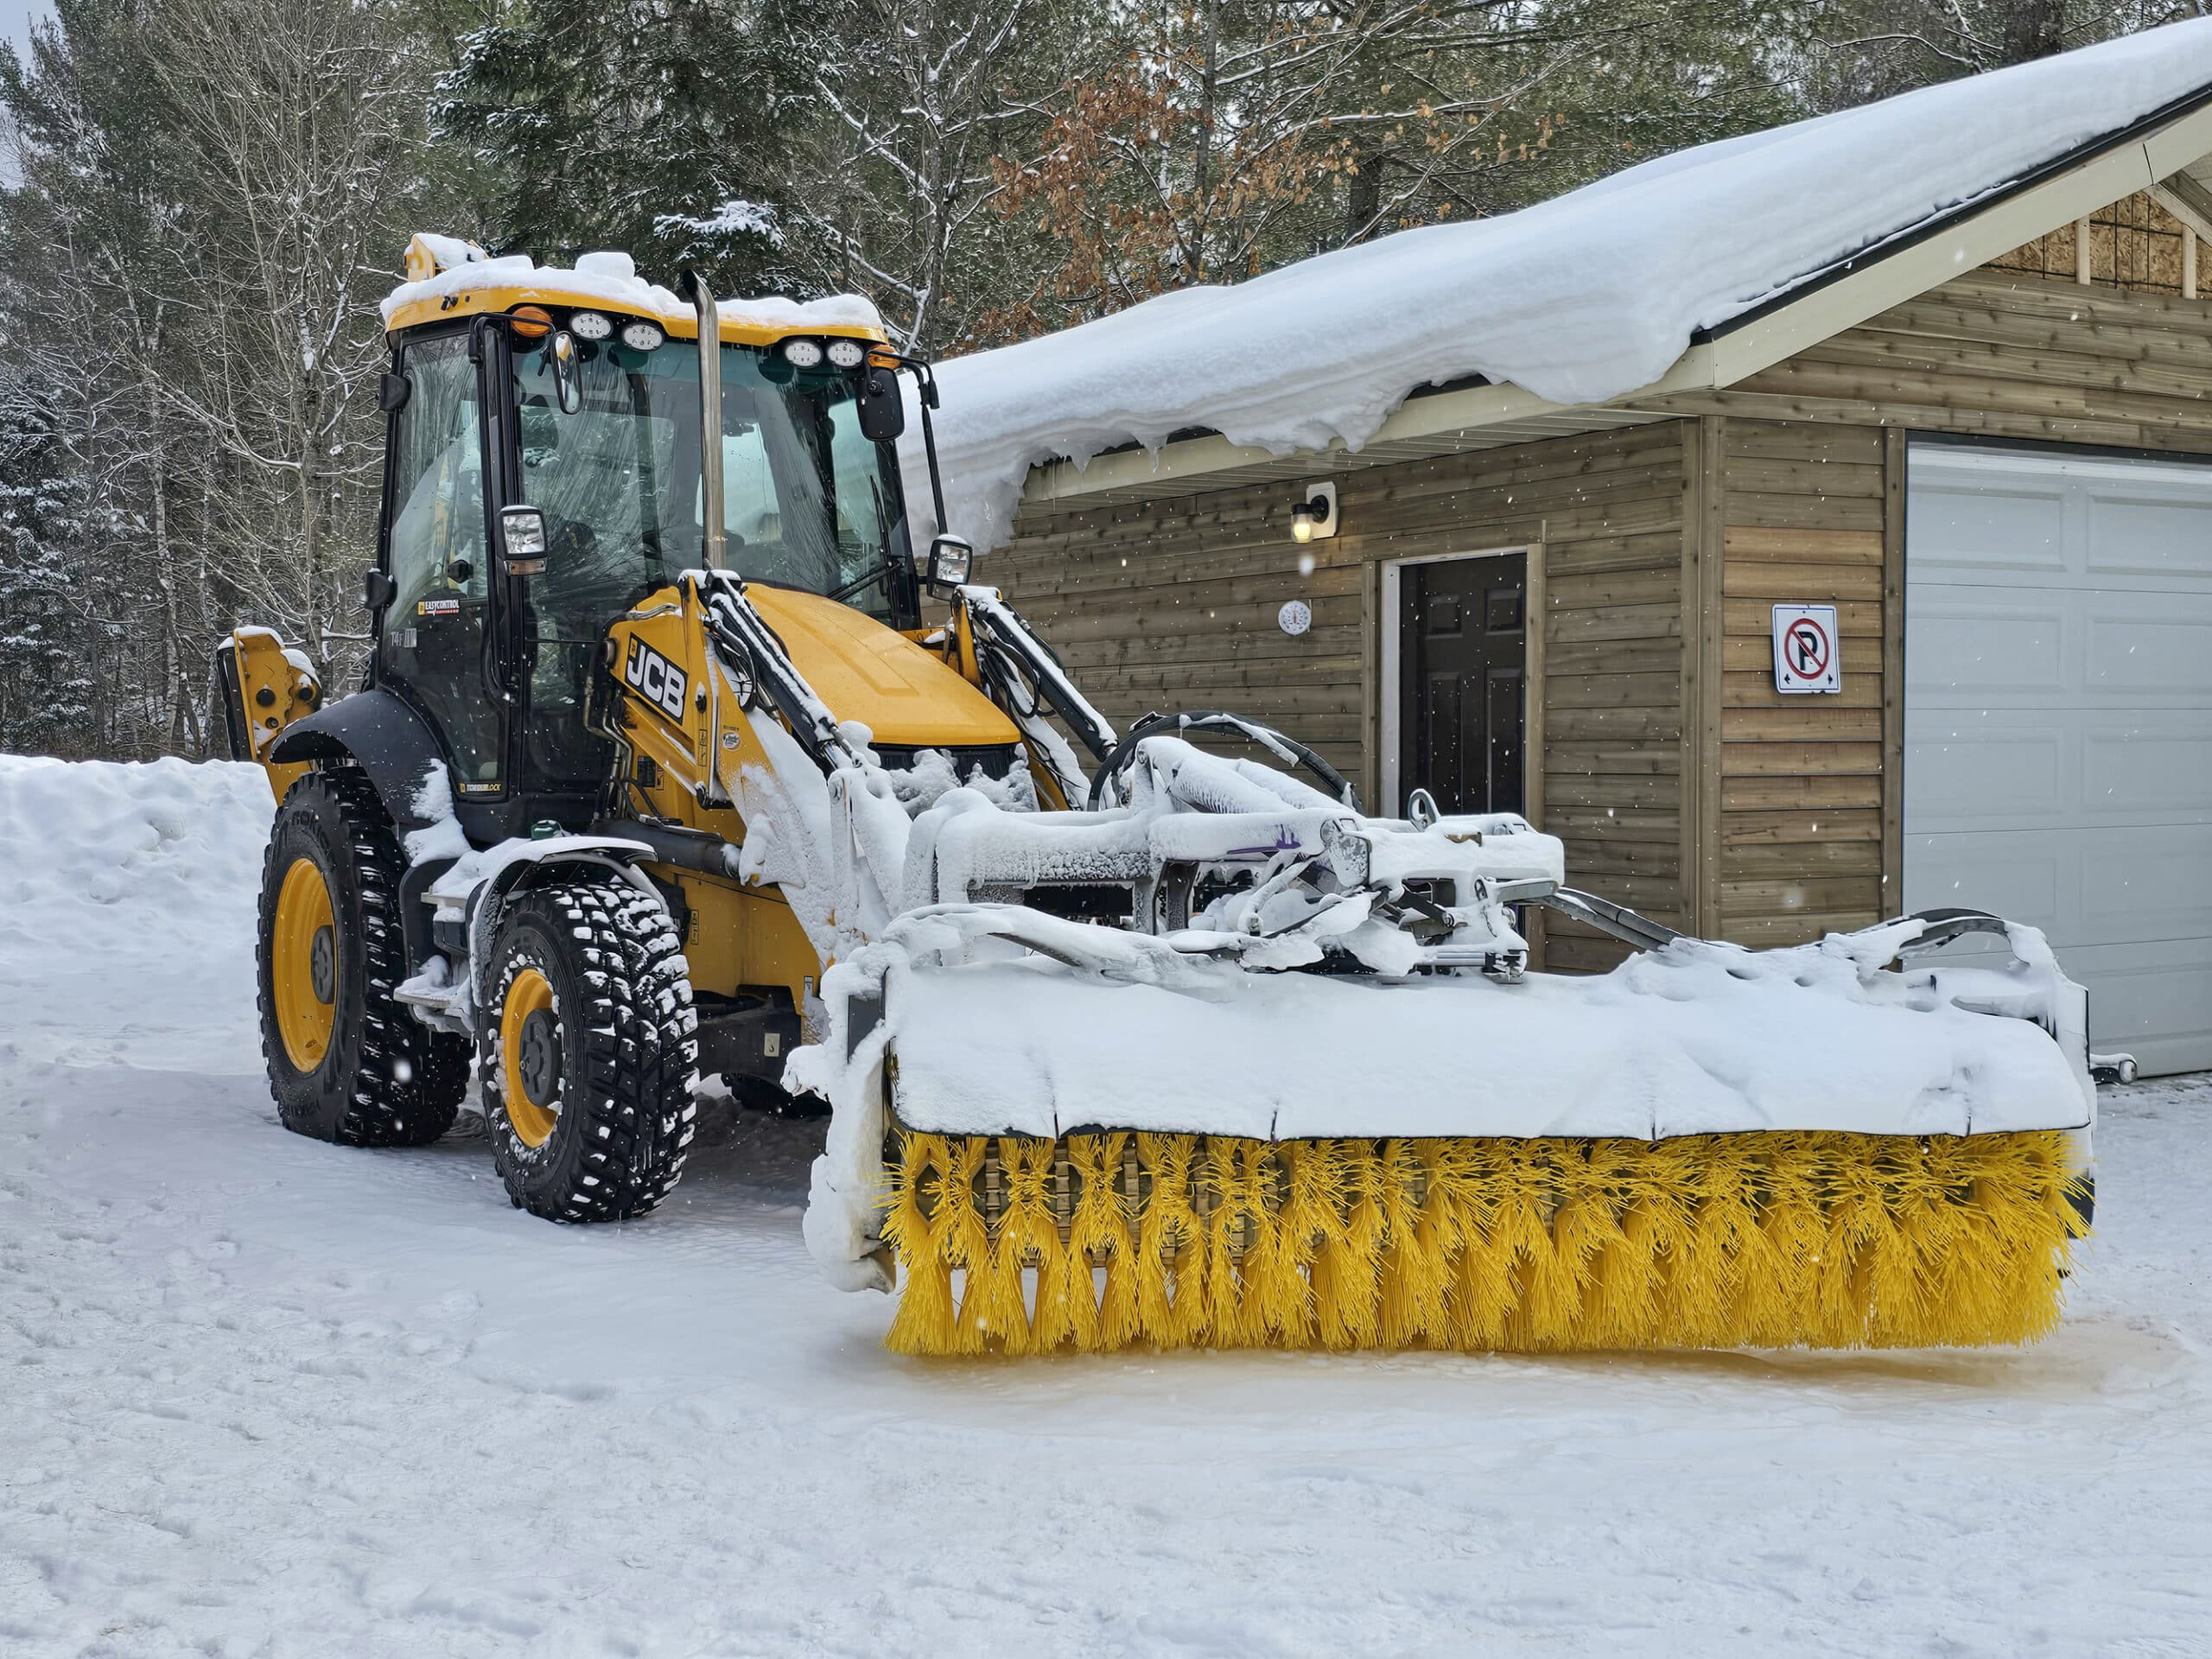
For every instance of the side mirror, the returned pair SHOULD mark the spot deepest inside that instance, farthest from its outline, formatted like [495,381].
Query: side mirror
[951,557]
[392,391]
[565,387]
[377,590]
[882,408]
[522,541]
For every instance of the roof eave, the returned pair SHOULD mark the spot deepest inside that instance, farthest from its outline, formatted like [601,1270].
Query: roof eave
[1845,294]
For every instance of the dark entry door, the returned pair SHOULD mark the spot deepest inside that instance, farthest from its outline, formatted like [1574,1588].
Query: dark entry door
[1464,651]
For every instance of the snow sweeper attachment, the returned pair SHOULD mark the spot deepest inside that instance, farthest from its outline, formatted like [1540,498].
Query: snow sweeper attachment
[1308,1096]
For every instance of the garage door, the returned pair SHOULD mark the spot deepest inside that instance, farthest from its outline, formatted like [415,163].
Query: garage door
[2058,721]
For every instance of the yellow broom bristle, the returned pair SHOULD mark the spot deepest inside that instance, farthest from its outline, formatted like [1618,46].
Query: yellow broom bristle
[1018,1245]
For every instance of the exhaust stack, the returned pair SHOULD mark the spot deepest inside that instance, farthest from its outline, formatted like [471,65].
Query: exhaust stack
[715,549]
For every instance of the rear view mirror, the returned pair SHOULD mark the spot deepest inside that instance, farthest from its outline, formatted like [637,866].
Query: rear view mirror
[377,589]
[882,408]
[565,388]
[951,557]
[522,541]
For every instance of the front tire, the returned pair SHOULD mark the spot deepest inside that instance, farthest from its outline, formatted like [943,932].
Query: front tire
[346,1061]
[586,1051]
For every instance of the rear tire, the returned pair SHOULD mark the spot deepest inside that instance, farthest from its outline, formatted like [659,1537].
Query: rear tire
[347,1062]
[586,1051]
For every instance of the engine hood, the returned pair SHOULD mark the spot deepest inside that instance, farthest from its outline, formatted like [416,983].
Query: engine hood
[868,672]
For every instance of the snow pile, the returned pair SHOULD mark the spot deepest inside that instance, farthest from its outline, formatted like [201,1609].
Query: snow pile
[1578,300]
[613,280]
[127,899]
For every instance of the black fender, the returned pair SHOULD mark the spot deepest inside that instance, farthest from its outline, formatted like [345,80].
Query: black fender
[519,864]
[396,747]
[380,733]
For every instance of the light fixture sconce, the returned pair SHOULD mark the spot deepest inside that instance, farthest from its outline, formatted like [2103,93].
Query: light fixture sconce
[1314,518]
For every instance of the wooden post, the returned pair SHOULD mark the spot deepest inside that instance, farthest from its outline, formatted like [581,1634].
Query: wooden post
[1533,601]
[2187,262]
[2082,251]
[1704,537]
[1895,460]
[1370,684]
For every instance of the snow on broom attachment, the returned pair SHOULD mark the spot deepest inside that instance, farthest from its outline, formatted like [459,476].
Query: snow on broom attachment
[1061,1136]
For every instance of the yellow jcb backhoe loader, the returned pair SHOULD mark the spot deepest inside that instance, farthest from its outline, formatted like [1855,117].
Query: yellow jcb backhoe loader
[658,770]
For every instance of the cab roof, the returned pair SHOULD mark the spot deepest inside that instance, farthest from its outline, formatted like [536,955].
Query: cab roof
[447,277]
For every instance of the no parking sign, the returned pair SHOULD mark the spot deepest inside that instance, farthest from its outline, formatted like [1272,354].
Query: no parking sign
[1806,654]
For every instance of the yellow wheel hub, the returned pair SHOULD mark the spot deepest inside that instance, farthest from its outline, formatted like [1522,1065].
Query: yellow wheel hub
[303,965]
[529,1056]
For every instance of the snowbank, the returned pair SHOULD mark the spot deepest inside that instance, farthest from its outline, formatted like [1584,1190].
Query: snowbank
[1579,299]
[126,909]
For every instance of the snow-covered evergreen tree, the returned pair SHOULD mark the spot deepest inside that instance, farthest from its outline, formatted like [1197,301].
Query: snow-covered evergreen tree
[47,657]
[657,127]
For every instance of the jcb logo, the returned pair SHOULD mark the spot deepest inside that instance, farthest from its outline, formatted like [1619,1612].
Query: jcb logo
[655,679]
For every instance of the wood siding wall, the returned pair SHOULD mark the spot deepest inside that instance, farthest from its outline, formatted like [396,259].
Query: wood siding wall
[1173,604]
[1799,848]
[2004,356]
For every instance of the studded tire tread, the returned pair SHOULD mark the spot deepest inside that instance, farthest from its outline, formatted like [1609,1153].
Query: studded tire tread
[388,1080]
[623,992]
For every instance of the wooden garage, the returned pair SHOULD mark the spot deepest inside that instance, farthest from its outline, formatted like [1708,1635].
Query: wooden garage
[1569,610]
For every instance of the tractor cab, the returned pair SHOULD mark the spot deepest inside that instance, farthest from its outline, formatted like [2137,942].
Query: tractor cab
[543,477]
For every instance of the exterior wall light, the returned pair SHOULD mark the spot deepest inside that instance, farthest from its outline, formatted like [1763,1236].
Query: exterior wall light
[1315,517]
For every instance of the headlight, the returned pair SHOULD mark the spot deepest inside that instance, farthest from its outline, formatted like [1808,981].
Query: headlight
[1348,853]
[802,354]
[847,353]
[589,325]
[951,557]
[641,336]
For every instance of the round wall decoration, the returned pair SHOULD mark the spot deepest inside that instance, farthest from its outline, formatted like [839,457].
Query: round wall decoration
[1295,616]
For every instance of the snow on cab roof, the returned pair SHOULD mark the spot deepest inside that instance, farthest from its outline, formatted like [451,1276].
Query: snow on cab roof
[1577,300]
[443,267]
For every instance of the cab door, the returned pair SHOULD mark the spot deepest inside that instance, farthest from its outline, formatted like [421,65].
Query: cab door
[433,645]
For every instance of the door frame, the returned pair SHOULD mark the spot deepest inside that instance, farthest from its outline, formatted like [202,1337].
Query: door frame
[1389,740]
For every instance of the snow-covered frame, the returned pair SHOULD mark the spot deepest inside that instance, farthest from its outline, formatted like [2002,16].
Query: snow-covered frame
[1390,662]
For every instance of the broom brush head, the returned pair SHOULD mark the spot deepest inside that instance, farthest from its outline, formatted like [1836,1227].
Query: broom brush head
[1013,1244]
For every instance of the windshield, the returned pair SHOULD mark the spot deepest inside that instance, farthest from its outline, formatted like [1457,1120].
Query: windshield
[807,502]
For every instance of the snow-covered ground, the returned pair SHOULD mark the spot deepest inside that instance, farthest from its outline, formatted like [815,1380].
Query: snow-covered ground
[267,1397]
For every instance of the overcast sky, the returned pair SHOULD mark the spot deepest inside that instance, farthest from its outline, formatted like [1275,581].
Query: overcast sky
[15,16]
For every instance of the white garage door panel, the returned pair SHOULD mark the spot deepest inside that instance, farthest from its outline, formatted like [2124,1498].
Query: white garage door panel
[2138,648]
[2153,1002]
[2150,887]
[2139,536]
[2007,647]
[2020,881]
[2155,765]
[1980,769]
[1976,522]
[2058,721]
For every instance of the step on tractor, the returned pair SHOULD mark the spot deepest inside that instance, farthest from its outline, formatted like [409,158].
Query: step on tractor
[678,754]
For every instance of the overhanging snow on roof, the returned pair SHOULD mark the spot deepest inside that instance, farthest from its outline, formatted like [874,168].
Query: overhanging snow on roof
[1745,252]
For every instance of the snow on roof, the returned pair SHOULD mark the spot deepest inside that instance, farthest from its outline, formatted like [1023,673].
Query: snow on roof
[1578,300]
[611,279]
